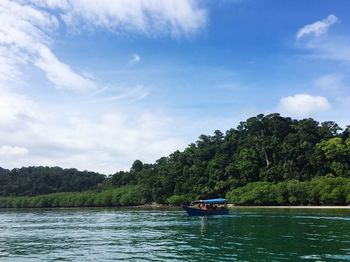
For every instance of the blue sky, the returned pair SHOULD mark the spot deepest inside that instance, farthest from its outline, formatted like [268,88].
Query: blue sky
[96,85]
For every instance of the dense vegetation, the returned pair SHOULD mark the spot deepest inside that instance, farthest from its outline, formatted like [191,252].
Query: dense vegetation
[262,149]
[31,181]
[125,196]
[318,191]
[265,160]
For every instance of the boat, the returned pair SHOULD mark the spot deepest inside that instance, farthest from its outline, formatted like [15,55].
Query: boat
[207,207]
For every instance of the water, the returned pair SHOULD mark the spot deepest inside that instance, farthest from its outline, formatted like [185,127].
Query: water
[169,235]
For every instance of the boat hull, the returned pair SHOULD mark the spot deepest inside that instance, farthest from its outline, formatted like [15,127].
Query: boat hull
[200,212]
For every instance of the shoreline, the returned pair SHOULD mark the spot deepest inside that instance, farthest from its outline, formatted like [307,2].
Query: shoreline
[177,208]
[231,206]
[157,206]
[293,207]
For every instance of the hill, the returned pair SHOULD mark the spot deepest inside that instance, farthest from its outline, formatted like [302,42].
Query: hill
[264,154]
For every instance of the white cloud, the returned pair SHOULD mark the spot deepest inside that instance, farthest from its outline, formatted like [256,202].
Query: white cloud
[336,87]
[331,82]
[107,144]
[318,28]
[9,60]
[16,109]
[135,58]
[128,93]
[61,74]
[336,49]
[61,4]
[102,138]
[333,47]
[301,105]
[105,141]
[27,27]
[177,17]
[25,39]
[13,151]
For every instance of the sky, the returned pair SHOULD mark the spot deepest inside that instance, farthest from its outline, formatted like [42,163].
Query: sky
[95,85]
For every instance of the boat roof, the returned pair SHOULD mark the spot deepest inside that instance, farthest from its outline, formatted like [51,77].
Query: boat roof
[211,201]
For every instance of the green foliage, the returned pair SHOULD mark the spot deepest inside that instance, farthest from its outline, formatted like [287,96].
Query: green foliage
[265,160]
[133,196]
[318,191]
[31,181]
[262,149]
[125,196]
[179,200]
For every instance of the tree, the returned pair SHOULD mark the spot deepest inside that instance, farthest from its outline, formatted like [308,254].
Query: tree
[137,166]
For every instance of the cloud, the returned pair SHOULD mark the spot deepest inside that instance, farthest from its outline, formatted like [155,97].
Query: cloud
[129,93]
[61,4]
[104,141]
[318,28]
[13,151]
[16,109]
[9,60]
[27,27]
[61,74]
[333,47]
[301,105]
[25,39]
[331,82]
[174,17]
[335,86]
[107,144]
[336,49]
[135,58]
[101,138]
[345,102]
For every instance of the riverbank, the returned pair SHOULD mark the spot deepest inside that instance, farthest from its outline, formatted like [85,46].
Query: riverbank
[293,207]
[232,206]
[167,207]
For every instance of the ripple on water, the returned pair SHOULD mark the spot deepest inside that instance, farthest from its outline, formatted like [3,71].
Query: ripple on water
[138,235]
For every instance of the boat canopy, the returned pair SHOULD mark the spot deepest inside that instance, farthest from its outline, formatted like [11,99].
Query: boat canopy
[211,201]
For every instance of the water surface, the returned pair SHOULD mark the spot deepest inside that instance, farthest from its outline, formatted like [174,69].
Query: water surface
[170,235]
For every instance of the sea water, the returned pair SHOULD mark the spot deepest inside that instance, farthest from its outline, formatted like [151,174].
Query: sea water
[247,234]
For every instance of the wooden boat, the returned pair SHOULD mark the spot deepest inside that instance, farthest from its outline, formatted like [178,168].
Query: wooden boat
[207,207]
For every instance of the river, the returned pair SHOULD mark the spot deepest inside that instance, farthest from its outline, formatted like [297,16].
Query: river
[247,234]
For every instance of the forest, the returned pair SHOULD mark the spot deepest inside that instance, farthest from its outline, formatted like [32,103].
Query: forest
[265,160]
[31,181]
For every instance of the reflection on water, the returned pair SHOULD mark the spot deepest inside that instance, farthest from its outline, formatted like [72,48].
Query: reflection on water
[203,225]
[140,235]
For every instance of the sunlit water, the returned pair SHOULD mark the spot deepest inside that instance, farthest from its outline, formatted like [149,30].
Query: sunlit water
[159,235]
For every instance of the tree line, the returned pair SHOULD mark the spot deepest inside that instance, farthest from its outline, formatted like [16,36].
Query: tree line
[124,196]
[268,149]
[32,181]
[264,152]
[318,191]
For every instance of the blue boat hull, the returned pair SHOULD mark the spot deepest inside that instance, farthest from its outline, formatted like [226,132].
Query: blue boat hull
[200,212]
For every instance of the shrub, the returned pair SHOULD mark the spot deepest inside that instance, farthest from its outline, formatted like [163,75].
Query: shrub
[178,200]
